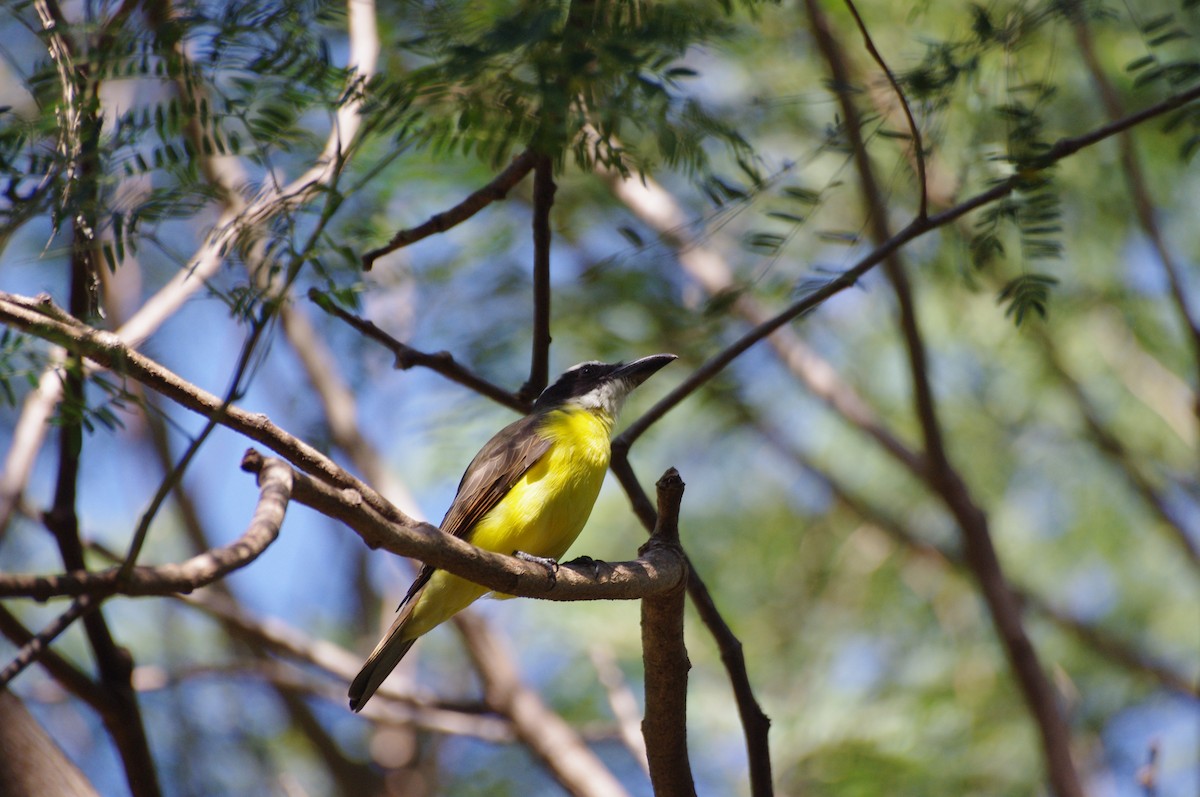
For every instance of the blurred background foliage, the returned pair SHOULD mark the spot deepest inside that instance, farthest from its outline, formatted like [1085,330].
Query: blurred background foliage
[1051,326]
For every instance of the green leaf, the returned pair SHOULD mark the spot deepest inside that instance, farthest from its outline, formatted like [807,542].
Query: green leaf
[1028,293]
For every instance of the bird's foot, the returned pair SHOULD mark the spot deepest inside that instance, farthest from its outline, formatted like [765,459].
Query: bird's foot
[587,561]
[548,562]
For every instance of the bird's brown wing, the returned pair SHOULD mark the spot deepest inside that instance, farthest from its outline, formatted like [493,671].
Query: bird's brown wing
[496,468]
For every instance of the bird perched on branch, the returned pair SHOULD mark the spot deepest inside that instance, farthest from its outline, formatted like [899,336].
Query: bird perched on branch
[529,490]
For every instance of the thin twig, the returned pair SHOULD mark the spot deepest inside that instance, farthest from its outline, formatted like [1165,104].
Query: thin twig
[31,650]
[918,147]
[1061,149]
[175,474]
[707,266]
[495,190]
[441,362]
[68,676]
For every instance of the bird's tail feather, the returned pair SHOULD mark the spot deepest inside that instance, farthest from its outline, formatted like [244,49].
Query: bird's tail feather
[381,662]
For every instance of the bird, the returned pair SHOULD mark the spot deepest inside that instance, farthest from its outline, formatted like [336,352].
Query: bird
[529,492]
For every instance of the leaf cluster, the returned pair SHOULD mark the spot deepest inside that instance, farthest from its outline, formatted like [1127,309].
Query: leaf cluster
[600,82]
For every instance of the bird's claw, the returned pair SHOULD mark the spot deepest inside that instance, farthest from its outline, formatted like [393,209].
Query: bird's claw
[587,561]
[548,562]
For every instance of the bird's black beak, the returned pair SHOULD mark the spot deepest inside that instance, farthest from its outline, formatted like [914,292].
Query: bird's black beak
[642,369]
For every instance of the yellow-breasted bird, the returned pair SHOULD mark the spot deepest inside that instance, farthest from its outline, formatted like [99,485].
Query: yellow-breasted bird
[530,489]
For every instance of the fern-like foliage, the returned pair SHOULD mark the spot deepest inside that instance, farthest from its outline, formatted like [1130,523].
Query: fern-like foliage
[599,82]
[1028,293]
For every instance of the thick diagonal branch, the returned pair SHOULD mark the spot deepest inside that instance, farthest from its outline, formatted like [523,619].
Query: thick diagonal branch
[972,521]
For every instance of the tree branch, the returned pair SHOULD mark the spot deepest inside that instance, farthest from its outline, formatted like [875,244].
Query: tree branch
[109,351]
[68,676]
[972,521]
[40,642]
[1140,196]
[441,362]
[652,574]
[543,201]
[496,190]
[31,764]
[755,724]
[918,147]
[918,227]
[275,481]
[665,660]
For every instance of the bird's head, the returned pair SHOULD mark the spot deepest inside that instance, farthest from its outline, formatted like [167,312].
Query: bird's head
[599,387]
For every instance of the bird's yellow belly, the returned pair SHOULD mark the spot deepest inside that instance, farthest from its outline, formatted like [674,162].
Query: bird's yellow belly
[541,515]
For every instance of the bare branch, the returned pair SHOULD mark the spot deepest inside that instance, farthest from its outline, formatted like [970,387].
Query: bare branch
[651,574]
[918,147]
[275,481]
[665,661]
[31,764]
[70,677]
[1061,149]
[31,650]
[707,266]
[755,724]
[543,201]
[496,190]
[441,362]
[947,483]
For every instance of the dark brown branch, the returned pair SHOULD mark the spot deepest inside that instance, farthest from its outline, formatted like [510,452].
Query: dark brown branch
[40,642]
[441,362]
[755,724]
[275,480]
[1059,150]
[496,190]
[31,764]
[114,663]
[665,660]
[657,572]
[70,677]
[918,147]
[111,352]
[981,555]
[543,201]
